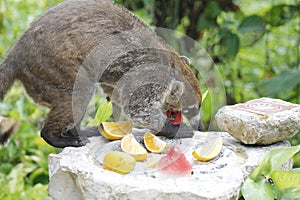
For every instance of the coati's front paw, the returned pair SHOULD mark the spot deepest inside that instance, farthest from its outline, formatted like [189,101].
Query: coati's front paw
[176,131]
[62,140]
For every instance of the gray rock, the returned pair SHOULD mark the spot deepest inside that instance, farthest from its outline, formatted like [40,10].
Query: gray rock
[77,174]
[261,121]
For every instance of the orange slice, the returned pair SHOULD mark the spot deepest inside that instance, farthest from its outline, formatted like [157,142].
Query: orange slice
[118,162]
[115,130]
[154,144]
[130,145]
[209,151]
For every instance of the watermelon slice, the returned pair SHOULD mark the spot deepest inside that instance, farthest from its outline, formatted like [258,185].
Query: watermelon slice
[175,164]
[174,117]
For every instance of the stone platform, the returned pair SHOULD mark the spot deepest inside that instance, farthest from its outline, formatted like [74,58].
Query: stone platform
[77,174]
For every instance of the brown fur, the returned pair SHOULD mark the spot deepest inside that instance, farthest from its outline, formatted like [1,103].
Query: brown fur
[80,42]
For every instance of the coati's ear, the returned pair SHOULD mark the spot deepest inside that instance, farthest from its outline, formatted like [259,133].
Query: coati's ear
[177,88]
[186,60]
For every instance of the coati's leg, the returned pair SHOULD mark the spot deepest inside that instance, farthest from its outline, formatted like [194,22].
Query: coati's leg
[59,130]
[62,127]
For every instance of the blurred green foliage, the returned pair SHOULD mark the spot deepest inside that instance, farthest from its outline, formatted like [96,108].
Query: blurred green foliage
[24,159]
[255,44]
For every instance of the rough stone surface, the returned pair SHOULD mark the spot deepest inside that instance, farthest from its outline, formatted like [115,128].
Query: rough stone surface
[77,174]
[260,121]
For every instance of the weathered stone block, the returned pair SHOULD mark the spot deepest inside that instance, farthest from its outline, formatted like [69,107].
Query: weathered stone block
[260,121]
[76,173]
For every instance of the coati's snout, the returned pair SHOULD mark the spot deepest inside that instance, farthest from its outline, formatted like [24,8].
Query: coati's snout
[181,100]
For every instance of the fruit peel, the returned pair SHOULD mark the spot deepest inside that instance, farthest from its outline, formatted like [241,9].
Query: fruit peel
[130,145]
[154,144]
[115,130]
[209,151]
[118,162]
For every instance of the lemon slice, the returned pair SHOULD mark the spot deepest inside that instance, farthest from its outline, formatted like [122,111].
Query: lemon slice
[118,162]
[154,144]
[130,145]
[209,151]
[115,130]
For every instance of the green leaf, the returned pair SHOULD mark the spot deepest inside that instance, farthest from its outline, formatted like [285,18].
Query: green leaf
[280,14]
[260,189]
[16,176]
[208,18]
[285,81]
[251,29]
[2,26]
[206,107]
[252,23]
[285,179]
[229,42]
[291,193]
[39,176]
[212,10]
[273,160]
[204,96]
[37,192]
[5,168]
[104,111]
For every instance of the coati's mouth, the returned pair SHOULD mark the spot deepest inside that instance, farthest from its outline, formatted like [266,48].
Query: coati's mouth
[175,117]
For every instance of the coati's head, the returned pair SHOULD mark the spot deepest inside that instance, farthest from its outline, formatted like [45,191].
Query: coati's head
[158,83]
[184,96]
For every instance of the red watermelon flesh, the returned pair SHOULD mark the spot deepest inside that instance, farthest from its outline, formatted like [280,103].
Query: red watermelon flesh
[175,163]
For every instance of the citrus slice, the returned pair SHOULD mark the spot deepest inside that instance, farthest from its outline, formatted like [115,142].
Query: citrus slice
[175,164]
[154,144]
[119,162]
[209,151]
[130,145]
[115,130]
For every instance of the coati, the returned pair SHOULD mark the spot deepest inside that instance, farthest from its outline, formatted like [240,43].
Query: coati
[79,43]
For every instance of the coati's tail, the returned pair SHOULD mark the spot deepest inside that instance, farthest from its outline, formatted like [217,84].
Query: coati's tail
[7,77]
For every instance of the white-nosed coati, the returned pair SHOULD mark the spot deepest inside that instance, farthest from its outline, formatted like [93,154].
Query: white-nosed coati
[79,43]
